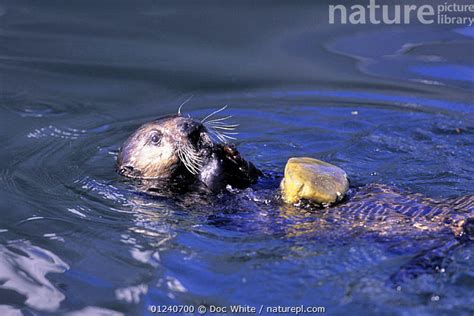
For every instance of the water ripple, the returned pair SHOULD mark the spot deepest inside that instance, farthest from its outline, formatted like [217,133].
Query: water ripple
[23,269]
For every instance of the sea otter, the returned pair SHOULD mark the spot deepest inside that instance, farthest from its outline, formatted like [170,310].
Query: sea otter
[181,149]
[184,152]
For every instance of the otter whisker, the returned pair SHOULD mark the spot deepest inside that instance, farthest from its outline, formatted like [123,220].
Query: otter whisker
[189,162]
[229,137]
[222,128]
[193,168]
[225,128]
[190,158]
[218,135]
[220,124]
[184,159]
[220,119]
[229,133]
[213,113]
[222,131]
[222,136]
[192,153]
[218,128]
[185,101]
[193,161]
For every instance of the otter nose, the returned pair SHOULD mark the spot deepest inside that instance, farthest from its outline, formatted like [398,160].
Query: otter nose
[189,127]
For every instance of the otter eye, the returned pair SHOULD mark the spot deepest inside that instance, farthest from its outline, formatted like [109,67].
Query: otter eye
[156,138]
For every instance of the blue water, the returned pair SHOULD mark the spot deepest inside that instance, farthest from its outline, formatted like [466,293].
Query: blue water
[389,104]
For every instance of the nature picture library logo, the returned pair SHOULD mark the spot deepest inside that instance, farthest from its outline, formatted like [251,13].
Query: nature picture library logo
[373,13]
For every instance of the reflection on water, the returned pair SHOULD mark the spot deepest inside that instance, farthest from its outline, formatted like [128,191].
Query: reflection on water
[423,56]
[23,271]
[396,114]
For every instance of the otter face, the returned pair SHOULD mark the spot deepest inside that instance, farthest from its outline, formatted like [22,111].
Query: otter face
[156,149]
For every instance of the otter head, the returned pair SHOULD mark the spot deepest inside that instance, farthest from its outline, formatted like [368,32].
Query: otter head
[156,150]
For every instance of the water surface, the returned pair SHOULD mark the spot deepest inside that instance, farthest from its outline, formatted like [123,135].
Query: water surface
[390,105]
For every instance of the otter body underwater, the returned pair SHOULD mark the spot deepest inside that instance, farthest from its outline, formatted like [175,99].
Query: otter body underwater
[176,154]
